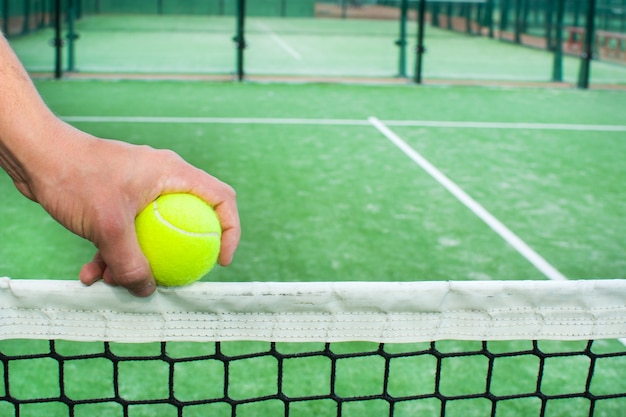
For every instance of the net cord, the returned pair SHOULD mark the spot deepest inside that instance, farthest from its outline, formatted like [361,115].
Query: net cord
[382,312]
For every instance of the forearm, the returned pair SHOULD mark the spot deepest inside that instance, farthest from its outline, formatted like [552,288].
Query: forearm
[28,129]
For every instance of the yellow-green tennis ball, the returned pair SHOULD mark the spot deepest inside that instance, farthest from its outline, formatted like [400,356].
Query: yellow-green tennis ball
[180,235]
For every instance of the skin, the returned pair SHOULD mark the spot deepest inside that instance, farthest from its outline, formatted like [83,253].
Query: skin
[95,187]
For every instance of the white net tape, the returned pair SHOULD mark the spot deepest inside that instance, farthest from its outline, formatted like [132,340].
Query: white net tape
[388,312]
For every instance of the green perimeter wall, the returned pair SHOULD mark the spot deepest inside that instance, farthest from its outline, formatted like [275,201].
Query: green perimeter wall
[19,8]
[19,17]
[292,8]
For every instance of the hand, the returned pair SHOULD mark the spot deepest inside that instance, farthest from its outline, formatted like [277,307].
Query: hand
[96,187]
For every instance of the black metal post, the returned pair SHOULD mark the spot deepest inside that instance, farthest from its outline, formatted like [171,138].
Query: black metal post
[434,13]
[72,36]
[504,16]
[420,41]
[557,66]
[489,17]
[518,21]
[5,17]
[26,24]
[587,53]
[58,41]
[240,40]
[401,42]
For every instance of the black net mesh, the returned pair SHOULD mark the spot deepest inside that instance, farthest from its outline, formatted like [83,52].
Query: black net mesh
[447,378]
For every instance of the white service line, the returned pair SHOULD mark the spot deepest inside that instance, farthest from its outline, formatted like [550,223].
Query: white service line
[495,224]
[280,41]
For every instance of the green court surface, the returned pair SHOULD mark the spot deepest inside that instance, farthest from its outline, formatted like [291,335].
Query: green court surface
[325,196]
[296,47]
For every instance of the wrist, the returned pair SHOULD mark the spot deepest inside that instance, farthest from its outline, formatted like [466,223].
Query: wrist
[37,155]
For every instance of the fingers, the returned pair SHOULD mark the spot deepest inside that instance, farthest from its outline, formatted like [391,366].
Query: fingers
[119,260]
[125,263]
[230,241]
[96,270]
[92,271]
[231,231]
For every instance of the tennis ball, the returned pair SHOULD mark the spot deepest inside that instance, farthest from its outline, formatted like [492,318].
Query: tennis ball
[180,235]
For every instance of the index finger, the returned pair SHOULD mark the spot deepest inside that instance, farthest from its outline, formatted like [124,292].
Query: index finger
[231,230]
[219,195]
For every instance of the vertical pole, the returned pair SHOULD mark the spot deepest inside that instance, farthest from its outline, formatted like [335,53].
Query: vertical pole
[420,41]
[489,17]
[5,17]
[239,39]
[434,13]
[603,18]
[525,12]
[504,16]
[26,24]
[549,26]
[41,13]
[587,54]
[71,34]
[557,66]
[518,21]
[401,42]
[45,14]
[58,41]
[576,13]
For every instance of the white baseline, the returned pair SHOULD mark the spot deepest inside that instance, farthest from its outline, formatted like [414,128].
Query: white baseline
[343,122]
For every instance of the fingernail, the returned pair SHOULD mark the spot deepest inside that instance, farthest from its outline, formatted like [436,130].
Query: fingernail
[145,291]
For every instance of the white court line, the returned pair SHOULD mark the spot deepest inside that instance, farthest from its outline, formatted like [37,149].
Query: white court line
[215,120]
[343,122]
[496,125]
[280,41]
[495,224]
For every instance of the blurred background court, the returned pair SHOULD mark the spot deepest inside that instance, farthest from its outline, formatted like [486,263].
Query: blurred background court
[478,40]
[325,196]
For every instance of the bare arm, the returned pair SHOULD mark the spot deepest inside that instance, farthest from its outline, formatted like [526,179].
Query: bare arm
[95,187]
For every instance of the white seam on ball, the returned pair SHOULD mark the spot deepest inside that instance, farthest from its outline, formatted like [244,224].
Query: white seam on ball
[178,229]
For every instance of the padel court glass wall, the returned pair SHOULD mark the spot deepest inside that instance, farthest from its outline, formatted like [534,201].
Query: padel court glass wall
[477,40]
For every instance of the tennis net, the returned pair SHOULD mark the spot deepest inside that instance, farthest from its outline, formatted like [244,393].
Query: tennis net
[503,348]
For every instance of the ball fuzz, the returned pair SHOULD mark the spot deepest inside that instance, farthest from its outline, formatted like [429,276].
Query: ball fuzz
[180,235]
